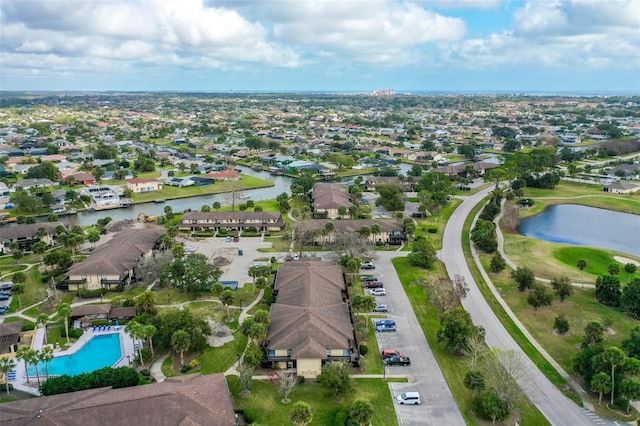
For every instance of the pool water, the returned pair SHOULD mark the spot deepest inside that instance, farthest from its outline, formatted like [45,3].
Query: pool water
[101,351]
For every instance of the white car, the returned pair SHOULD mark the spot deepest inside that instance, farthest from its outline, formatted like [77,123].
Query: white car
[228,239]
[377,292]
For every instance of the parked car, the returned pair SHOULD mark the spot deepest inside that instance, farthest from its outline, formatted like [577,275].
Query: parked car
[386,322]
[409,398]
[368,265]
[373,284]
[377,292]
[228,239]
[296,257]
[380,308]
[386,353]
[4,297]
[236,239]
[382,328]
[189,249]
[397,360]
[6,286]
[368,278]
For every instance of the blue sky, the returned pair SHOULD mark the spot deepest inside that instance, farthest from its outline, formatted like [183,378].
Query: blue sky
[328,45]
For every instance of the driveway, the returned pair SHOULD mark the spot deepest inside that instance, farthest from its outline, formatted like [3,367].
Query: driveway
[556,407]
[438,406]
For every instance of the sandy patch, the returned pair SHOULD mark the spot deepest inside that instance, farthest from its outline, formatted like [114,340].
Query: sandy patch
[625,260]
[220,334]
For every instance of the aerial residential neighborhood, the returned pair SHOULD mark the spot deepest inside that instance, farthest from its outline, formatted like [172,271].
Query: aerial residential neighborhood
[217,257]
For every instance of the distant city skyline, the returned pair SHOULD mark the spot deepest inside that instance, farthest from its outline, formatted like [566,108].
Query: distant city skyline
[550,46]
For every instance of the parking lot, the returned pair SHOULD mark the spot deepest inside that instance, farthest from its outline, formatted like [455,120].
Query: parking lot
[438,406]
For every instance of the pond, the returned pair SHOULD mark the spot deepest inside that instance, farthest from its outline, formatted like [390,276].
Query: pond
[587,226]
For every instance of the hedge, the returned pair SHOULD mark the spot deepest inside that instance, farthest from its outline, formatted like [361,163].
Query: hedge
[116,377]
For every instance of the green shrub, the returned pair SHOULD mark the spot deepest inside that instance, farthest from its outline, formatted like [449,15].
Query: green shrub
[28,326]
[116,377]
[91,294]
[250,234]
[433,230]
[185,368]
[363,350]
[489,406]
[561,324]
[99,323]
[145,372]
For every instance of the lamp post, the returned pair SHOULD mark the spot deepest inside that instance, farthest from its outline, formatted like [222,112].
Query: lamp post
[238,355]
[128,361]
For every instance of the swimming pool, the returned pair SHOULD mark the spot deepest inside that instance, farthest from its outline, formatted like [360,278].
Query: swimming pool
[101,351]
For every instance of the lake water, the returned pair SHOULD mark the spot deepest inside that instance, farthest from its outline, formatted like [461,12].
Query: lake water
[587,226]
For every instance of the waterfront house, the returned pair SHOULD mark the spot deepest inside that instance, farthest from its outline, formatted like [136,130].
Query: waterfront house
[26,235]
[310,321]
[28,184]
[232,221]
[621,187]
[139,185]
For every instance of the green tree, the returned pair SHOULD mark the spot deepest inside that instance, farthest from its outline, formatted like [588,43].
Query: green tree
[562,287]
[253,355]
[23,354]
[93,236]
[180,342]
[524,277]
[146,302]
[630,298]
[561,324]
[615,357]
[335,377]
[134,329]
[601,383]
[422,255]
[363,304]
[630,269]
[216,205]
[64,310]
[46,355]
[361,412]
[6,365]
[41,320]
[474,381]
[226,298]
[300,414]
[539,297]
[456,328]
[147,332]
[169,320]
[391,197]
[613,269]
[498,264]
[630,391]
[40,248]
[608,290]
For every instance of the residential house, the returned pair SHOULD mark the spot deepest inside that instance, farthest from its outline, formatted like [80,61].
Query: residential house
[111,265]
[621,187]
[310,322]
[180,181]
[28,184]
[191,399]
[83,315]
[233,221]
[26,235]
[462,170]
[228,174]
[102,196]
[391,231]
[138,185]
[82,179]
[327,198]
[405,184]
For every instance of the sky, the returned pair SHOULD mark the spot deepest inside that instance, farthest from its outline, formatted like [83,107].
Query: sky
[552,46]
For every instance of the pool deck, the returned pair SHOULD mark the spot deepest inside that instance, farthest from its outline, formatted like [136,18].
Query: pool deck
[127,348]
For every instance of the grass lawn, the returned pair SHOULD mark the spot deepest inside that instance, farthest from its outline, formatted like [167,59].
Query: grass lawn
[263,406]
[453,368]
[438,222]
[170,192]
[220,359]
[547,259]
[372,360]
[579,309]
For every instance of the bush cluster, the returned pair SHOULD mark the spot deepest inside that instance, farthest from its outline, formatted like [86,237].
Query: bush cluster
[116,377]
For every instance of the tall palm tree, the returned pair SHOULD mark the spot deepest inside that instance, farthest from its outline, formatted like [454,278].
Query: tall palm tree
[180,342]
[46,355]
[375,230]
[6,365]
[42,321]
[135,330]
[147,332]
[64,310]
[23,354]
[33,357]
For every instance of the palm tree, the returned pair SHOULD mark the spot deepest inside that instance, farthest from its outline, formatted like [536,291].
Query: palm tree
[226,298]
[365,232]
[581,265]
[146,303]
[6,365]
[64,310]
[375,230]
[216,205]
[147,332]
[46,355]
[23,354]
[300,414]
[180,342]
[361,412]
[135,330]
[42,320]
[33,357]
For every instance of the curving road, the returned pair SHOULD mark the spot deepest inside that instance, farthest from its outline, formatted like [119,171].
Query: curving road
[556,407]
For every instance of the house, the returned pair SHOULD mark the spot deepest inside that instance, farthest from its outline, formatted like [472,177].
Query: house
[26,235]
[621,187]
[391,232]
[28,184]
[138,185]
[10,336]
[233,221]
[310,321]
[181,182]
[82,179]
[404,184]
[479,169]
[191,399]
[103,196]
[224,175]
[111,265]
[327,198]
[102,312]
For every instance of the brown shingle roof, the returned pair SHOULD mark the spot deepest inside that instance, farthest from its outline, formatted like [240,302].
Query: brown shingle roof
[184,400]
[122,312]
[241,216]
[85,310]
[10,333]
[343,226]
[26,230]
[330,196]
[119,254]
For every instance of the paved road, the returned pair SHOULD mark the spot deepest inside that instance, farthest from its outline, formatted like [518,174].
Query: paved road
[557,408]
[438,406]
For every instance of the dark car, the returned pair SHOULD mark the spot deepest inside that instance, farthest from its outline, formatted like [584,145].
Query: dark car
[386,322]
[373,284]
[368,278]
[388,353]
[398,360]
[382,328]
[236,239]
